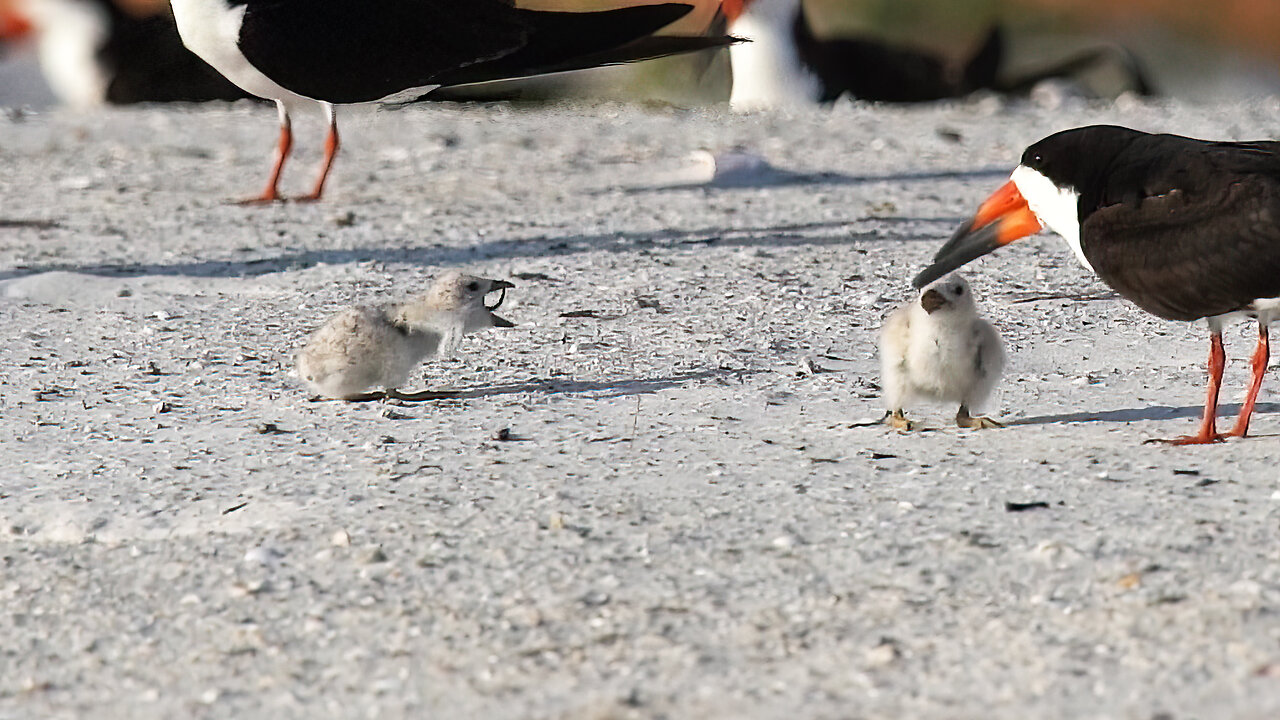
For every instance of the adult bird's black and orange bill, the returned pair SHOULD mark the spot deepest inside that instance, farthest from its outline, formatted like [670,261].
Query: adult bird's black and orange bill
[1003,218]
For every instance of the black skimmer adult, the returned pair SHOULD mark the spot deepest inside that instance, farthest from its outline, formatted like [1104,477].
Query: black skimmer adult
[1185,229]
[107,51]
[332,52]
[788,63]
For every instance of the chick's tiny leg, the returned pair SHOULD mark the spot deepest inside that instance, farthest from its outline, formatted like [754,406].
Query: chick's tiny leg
[965,420]
[897,419]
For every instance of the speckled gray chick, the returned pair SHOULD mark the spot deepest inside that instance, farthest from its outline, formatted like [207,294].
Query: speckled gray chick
[938,348]
[368,347]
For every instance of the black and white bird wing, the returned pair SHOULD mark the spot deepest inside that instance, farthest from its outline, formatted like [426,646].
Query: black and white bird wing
[348,51]
[331,49]
[1184,254]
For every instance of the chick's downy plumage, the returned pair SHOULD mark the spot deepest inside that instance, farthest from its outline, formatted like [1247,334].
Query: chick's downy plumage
[364,348]
[938,348]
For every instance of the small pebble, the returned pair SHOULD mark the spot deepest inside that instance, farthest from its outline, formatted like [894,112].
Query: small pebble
[881,655]
[264,556]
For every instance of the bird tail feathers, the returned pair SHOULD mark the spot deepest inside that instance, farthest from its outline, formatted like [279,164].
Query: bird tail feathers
[565,41]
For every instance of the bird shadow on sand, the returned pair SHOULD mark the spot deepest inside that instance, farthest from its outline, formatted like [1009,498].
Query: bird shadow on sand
[834,233]
[772,177]
[565,386]
[1155,412]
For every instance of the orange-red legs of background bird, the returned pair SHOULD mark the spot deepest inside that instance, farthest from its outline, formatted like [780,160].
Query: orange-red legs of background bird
[1261,355]
[330,152]
[271,193]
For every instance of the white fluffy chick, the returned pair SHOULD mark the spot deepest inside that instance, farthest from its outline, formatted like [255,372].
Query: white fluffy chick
[367,347]
[937,348]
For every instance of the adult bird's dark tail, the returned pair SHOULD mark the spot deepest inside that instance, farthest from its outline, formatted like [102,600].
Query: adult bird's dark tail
[564,41]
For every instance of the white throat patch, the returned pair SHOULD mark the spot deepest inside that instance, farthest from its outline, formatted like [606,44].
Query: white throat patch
[1057,208]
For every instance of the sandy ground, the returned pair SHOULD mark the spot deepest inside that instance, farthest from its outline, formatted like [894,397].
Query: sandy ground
[687,521]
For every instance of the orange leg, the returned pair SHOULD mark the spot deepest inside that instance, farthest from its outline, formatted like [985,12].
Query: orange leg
[1261,355]
[1208,425]
[272,192]
[331,145]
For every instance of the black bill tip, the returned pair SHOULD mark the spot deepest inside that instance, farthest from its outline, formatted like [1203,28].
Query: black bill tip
[926,276]
[966,245]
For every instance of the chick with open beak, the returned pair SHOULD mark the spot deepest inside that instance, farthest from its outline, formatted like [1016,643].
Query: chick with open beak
[938,348]
[368,347]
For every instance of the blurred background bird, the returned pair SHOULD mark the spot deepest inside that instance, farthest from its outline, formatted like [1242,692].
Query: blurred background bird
[1192,50]
[305,55]
[93,52]
[790,62]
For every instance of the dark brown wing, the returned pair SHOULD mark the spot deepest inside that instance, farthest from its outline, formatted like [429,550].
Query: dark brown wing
[1189,254]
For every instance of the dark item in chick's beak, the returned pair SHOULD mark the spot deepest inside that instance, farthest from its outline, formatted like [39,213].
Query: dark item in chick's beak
[500,287]
[931,300]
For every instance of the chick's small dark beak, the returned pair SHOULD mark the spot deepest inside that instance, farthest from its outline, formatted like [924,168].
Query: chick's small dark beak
[1003,218]
[932,300]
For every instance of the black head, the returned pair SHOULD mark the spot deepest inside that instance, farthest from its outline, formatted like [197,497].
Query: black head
[1065,174]
[1075,158]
